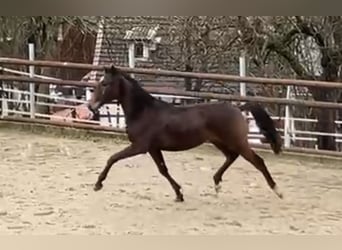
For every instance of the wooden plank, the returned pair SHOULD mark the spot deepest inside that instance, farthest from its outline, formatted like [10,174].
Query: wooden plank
[204,95]
[170,73]
[47,81]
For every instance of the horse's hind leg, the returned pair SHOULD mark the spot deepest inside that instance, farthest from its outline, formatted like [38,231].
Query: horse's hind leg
[158,158]
[259,164]
[230,158]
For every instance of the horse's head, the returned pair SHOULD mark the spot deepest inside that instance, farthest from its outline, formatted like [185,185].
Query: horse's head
[107,90]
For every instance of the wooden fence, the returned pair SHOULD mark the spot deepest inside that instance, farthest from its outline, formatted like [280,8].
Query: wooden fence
[209,76]
[273,100]
[171,73]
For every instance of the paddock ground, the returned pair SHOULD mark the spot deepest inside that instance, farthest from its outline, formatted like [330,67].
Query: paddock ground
[46,188]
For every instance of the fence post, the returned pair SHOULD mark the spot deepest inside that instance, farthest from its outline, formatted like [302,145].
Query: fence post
[131,58]
[287,138]
[242,64]
[96,58]
[4,107]
[32,85]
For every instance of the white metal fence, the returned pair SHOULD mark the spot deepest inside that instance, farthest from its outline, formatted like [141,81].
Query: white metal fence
[112,114]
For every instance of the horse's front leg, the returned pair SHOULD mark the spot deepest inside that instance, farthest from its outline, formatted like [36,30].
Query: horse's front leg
[130,151]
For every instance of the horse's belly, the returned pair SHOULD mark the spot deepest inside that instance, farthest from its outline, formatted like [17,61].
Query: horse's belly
[180,141]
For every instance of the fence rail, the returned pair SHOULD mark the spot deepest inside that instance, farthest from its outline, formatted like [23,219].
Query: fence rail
[171,73]
[296,132]
[292,133]
[205,95]
[47,81]
[121,131]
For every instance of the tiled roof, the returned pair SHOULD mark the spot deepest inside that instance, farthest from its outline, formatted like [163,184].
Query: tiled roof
[141,33]
[113,34]
[111,47]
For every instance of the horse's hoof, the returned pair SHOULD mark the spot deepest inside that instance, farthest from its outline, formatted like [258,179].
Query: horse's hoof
[218,188]
[278,192]
[98,186]
[179,199]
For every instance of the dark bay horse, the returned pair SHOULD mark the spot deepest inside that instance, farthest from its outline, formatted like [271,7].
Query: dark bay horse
[154,126]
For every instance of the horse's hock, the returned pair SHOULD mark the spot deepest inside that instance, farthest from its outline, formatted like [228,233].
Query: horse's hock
[46,188]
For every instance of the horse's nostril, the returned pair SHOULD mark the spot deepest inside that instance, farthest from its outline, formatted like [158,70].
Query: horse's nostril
[90,108]
[94,108]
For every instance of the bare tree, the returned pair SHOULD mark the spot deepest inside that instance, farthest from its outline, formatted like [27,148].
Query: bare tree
[204,43]
[310,46]
[44,32]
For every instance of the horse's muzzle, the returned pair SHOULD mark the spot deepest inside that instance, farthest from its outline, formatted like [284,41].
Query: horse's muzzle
[93,108]
[95,111]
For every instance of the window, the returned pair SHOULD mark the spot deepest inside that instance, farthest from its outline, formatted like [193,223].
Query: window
[139,50]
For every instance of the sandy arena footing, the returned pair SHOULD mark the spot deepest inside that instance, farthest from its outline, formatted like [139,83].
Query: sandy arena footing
[46,187]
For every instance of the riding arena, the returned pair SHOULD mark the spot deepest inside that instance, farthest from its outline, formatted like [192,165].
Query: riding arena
[151,163]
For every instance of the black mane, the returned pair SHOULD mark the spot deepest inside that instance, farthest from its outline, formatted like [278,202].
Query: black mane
[138,93]
[140,99]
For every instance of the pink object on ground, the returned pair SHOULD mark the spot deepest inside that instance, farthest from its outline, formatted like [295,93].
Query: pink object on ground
[80,112]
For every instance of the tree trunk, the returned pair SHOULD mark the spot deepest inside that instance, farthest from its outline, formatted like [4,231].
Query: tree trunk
[198,85]
[199,82]
[43,89]
[326,120]
[326,117]
[188,80]
[2,93]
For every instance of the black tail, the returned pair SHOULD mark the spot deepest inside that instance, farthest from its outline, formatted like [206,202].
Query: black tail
[265,124]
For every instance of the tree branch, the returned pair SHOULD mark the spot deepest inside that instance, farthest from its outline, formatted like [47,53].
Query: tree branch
[309,30]
[278,45]
[281,50]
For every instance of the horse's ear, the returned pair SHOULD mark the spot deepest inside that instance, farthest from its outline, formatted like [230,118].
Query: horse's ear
[112,70]
[107,70]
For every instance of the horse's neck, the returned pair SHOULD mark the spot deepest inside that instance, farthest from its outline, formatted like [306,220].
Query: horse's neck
[126,106]
[134,101]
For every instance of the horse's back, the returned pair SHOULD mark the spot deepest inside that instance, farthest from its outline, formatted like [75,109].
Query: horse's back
[225,121]
[181,128]
[212,117]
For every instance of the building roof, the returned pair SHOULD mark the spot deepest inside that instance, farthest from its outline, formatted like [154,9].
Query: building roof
[141,33]
[115,33]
